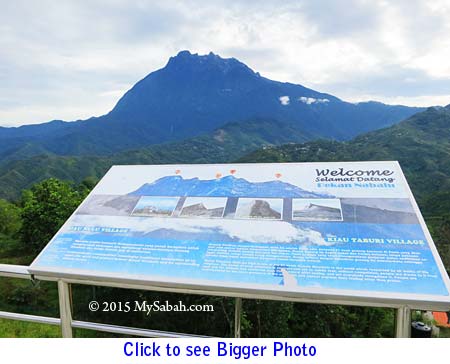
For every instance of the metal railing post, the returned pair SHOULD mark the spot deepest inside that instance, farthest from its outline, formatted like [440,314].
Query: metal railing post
[237,317]
[65,311]
[403,322]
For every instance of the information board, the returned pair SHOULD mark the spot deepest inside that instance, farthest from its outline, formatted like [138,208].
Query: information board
[323,229]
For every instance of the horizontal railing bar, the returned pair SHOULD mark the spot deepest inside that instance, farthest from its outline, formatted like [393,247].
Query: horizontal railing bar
[14,271]
[30,318]
[129,330]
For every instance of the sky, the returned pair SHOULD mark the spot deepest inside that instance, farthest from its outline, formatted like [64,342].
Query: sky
[74,59]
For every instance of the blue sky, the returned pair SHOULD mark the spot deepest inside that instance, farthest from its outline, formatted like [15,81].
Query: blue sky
[74,59]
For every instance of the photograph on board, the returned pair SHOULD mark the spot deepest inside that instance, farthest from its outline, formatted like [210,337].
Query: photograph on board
[259,208]
[206,207]
[327,209]
[155,206]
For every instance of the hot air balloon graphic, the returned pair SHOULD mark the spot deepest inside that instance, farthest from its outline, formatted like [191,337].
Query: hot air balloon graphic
[232,171]
[218,175]
[278,175]
[177,171]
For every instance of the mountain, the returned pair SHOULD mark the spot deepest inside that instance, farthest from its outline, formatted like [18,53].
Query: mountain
[196,94]
[110,205]
[356,212]
[258,209]
[228,186]
[317,212]
[151,211]
[201,210]
[421,144]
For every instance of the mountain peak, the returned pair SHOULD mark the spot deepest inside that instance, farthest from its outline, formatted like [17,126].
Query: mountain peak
[187,54]
[185,60]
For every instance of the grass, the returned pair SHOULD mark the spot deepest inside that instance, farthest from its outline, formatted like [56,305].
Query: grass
[22,329]
[444,332]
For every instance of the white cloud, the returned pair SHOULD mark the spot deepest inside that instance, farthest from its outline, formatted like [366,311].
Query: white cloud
[252,231]
[284,100]
[312,100]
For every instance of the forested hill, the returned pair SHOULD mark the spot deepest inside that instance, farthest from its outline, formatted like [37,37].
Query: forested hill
[421,144]
[225,144]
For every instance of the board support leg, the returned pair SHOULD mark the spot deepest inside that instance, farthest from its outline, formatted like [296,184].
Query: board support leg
[403,322]
[65,311]
[237,317]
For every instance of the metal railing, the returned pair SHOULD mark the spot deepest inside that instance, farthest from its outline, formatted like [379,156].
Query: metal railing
[67,324]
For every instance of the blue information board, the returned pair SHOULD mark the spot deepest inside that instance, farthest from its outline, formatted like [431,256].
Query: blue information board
[292,229]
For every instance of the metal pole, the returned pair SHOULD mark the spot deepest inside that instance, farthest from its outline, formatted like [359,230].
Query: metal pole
[65,311]
[237,317]
[403,322]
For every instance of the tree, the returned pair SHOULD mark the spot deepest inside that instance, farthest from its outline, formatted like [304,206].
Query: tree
[9,219]
[45,207]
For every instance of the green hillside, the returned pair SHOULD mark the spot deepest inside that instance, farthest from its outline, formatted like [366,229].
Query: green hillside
[421,144]
[223,145]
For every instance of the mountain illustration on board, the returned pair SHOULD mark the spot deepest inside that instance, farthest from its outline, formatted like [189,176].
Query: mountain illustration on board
[228,186]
